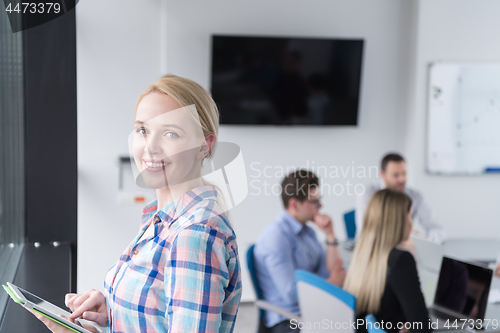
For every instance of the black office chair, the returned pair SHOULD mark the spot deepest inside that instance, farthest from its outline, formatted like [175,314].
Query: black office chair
[261,304]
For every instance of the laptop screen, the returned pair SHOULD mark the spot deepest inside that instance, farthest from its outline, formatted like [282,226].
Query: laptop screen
[463,288]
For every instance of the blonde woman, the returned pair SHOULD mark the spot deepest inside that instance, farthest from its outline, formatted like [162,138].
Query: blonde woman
[382,276]
[181,273]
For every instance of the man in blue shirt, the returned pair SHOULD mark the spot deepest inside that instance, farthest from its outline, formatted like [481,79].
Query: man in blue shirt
[289,244]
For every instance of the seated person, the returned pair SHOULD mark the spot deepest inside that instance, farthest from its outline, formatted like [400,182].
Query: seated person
[289,244]
[382,276]
[393,174]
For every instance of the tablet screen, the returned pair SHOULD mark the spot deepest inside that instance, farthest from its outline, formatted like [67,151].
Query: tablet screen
[49,307]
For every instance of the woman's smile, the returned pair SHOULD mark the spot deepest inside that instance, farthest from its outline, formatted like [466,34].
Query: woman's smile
[155,165]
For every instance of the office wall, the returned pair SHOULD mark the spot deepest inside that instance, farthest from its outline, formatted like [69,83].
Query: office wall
[461,30]
[388,30]
[119,54]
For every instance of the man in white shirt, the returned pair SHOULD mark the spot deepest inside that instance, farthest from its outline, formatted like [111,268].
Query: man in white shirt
[393,174]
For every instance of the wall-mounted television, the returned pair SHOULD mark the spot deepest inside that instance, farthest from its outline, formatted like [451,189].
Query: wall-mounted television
[286,81]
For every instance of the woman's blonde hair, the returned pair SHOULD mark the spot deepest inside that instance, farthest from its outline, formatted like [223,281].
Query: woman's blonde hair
[186,93]
[384,227]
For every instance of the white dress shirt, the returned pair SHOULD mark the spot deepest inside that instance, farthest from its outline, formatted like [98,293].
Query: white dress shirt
[421,211]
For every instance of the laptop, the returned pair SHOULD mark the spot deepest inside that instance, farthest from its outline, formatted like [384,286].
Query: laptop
[461,294]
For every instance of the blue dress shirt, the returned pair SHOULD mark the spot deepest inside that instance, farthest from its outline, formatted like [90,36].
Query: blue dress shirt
[285,246]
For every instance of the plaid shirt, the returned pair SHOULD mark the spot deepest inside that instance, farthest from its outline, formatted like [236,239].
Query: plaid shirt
[183,276]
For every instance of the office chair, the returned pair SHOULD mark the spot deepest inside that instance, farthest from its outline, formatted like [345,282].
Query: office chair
[370,325]
[320,300]
[350,225]
[260,302]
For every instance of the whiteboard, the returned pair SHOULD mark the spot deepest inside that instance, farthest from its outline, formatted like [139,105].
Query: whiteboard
[463,123]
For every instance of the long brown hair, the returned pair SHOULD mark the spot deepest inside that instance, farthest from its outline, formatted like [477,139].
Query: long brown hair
[384,227]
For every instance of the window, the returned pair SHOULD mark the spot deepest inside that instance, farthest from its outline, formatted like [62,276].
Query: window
[12,199]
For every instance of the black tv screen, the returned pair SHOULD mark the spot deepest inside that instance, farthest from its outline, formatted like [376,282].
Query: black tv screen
[286,81]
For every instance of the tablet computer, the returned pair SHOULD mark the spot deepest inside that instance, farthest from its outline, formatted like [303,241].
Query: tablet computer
[47,309]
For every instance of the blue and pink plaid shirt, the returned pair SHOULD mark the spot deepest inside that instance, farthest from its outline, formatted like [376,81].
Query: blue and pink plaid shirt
[183,275]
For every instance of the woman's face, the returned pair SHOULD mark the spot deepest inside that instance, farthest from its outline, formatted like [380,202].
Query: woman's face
[166,142]
[409,222]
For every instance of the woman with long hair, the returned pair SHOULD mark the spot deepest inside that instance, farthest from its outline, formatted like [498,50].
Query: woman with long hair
[383,276]
[181,273]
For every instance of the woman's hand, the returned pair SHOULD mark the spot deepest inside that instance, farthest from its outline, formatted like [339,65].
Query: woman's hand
[337,274]
[90,305]
[404,330]
[55,327]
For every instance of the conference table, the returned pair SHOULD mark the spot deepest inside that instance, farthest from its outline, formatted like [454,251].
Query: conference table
[484,250]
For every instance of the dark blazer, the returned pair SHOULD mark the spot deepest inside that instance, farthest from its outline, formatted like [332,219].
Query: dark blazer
[402,300]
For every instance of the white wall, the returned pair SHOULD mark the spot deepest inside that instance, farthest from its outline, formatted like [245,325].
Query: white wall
[123,45]
[453,30]
[118,55]
[387,26]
